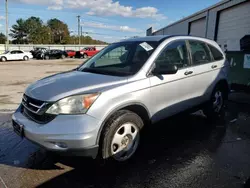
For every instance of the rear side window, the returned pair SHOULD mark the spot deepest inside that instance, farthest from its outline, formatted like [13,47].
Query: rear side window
[216,53]
[200,53]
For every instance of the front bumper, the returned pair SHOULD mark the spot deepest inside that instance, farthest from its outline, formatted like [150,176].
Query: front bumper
[67,134]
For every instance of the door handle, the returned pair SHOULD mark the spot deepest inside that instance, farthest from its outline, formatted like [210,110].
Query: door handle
[188,72]
[214,66]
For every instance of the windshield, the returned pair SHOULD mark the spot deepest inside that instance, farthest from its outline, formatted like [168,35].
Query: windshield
[6,52]
[120,59]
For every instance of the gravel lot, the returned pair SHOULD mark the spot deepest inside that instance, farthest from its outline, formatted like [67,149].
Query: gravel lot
[17,75]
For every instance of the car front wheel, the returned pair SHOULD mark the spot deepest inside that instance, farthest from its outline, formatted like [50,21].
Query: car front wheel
[121,136]
[3,59]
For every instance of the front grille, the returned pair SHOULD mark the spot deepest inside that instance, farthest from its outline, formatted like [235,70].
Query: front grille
[35,110]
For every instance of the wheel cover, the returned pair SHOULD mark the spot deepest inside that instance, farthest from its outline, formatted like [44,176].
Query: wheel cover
[218,101]
[125,142]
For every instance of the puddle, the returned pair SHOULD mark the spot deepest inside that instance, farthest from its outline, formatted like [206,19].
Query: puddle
[247,184]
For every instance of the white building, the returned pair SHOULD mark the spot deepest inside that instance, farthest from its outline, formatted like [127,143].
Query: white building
[225,22]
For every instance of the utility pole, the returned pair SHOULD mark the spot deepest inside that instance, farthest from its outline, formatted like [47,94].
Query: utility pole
[81,34]
[78,17]
[7,25]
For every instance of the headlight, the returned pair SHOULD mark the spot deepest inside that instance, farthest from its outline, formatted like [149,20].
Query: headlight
[81,52]
[77,104]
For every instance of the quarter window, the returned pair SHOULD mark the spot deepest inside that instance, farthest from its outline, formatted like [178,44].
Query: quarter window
[200,53]
[175,54]
[216,53]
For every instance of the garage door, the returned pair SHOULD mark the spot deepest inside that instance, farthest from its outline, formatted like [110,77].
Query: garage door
[198,27]
[234,23]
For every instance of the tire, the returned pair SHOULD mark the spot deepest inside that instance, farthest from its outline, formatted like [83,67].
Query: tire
[85,56]
[46,57]
[120,136]
[25,58]
[3,59]
[215,107]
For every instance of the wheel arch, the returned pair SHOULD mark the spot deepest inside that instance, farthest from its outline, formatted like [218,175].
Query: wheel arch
[4,57]
[224,84]
[138,108]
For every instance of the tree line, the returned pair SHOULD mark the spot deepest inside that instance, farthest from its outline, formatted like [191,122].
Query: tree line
[34,31]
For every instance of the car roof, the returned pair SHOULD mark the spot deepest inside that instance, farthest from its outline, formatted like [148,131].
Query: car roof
[16,50]
[149,38]
[160,38]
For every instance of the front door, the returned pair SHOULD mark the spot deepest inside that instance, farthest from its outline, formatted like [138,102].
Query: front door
[172,93]
[14,55]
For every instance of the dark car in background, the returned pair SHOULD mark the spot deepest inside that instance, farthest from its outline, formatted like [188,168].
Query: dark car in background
[37,51]
[53,54]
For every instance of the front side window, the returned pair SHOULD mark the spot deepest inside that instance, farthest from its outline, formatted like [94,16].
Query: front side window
[120,59]
[174,54]
[200,52]
[216,53]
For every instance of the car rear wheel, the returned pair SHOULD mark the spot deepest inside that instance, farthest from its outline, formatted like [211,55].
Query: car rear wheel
[85,56]
[216,106]
[46,57]
[121,136]
[3,59]
[25,58]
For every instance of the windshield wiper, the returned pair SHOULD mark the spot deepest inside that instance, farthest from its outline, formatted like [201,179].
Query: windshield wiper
[106,72]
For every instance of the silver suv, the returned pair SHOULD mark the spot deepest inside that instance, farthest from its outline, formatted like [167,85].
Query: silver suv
[101,106]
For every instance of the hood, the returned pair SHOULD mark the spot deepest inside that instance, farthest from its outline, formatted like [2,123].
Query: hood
[61,85]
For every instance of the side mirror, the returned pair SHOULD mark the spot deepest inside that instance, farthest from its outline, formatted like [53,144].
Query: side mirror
[166,69]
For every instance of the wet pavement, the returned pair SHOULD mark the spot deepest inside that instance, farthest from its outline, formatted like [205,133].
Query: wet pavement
[182,151]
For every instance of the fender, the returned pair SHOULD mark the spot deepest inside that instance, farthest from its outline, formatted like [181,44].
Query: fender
[115,110]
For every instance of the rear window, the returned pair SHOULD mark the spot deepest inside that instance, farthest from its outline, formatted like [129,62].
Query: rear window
[216,53]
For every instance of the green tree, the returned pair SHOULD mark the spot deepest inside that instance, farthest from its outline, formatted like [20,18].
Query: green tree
[19,32]
[2,38]
[46,35]
[59,31]
[84,40]
[37,32]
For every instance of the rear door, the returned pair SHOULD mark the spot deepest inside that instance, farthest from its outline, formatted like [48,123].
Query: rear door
[206,69]
[172,93]
[20,54]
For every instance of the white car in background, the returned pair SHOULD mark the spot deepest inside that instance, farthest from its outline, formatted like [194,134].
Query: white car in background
[15,55]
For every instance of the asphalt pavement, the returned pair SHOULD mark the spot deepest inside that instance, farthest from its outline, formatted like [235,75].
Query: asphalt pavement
[183,151]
